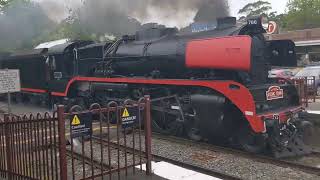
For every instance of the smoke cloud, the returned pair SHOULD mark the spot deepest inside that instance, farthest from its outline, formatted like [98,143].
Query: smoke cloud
[21,23]
[185,12]
[179,13]
[24,22]
[209,10]
[120,17]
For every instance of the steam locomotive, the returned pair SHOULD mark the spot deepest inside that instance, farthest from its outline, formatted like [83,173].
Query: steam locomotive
[207,86]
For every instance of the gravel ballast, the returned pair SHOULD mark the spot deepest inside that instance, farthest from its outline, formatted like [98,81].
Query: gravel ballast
[223,162]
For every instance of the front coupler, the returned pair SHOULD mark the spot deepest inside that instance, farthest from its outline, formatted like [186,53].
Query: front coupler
[287,139]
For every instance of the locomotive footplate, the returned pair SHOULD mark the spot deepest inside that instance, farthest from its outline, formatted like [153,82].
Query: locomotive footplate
[287,139]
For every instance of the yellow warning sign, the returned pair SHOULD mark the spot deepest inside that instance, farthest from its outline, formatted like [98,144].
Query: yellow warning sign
[75,121]
[125,113]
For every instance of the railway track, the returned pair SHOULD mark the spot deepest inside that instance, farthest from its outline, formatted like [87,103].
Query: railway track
[260,158]
[99,168]
[209,172]
[87,160]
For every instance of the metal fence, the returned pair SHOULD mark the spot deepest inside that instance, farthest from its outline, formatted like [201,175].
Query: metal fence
[103,142]
[307,89]
[117,144]
[28,147]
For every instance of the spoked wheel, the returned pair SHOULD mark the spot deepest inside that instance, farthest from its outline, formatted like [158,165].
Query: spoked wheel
[166,124]
[250,141]
[191,126]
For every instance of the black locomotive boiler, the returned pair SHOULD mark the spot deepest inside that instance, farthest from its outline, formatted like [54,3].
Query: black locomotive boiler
[210,86]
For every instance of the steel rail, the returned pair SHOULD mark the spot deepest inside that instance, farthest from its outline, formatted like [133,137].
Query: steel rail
[259,158]
[87,160]
[206,171]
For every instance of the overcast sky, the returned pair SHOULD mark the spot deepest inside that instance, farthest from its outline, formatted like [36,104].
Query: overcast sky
[235,5]
[277,5]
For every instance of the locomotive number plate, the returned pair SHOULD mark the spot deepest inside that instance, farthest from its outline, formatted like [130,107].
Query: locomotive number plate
[274,92]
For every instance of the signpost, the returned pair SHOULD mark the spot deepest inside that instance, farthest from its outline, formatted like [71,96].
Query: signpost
[272,28]
[9,83]
[81,125]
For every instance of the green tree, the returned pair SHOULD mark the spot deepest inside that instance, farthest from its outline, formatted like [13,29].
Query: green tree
[257,9]
[3,4]
[66,30]
[302,14]
[21,22]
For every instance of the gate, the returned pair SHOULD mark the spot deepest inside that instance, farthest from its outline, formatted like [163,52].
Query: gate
[113,145]
[110,142]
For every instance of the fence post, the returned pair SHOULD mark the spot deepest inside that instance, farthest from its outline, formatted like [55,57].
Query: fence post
[8,145]
[315,90]
[147,126]
[299,85]
[62,144]
[306,91]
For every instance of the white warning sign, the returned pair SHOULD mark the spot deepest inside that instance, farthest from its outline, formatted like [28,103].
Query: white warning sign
[9,81]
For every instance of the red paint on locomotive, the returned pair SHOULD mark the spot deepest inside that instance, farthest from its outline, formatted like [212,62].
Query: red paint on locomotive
[230,53]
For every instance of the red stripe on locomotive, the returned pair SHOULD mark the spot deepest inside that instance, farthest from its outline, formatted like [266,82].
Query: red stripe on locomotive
[34,90]
[241,96]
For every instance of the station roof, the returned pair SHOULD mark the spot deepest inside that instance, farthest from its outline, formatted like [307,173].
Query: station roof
[308,43]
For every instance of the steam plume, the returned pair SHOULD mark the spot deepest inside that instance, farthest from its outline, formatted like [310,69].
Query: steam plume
[178,13]
[22,24]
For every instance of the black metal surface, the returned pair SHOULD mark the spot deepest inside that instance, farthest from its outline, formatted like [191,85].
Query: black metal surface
[290,98]
[282,53]
[30,67]
[165,52]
